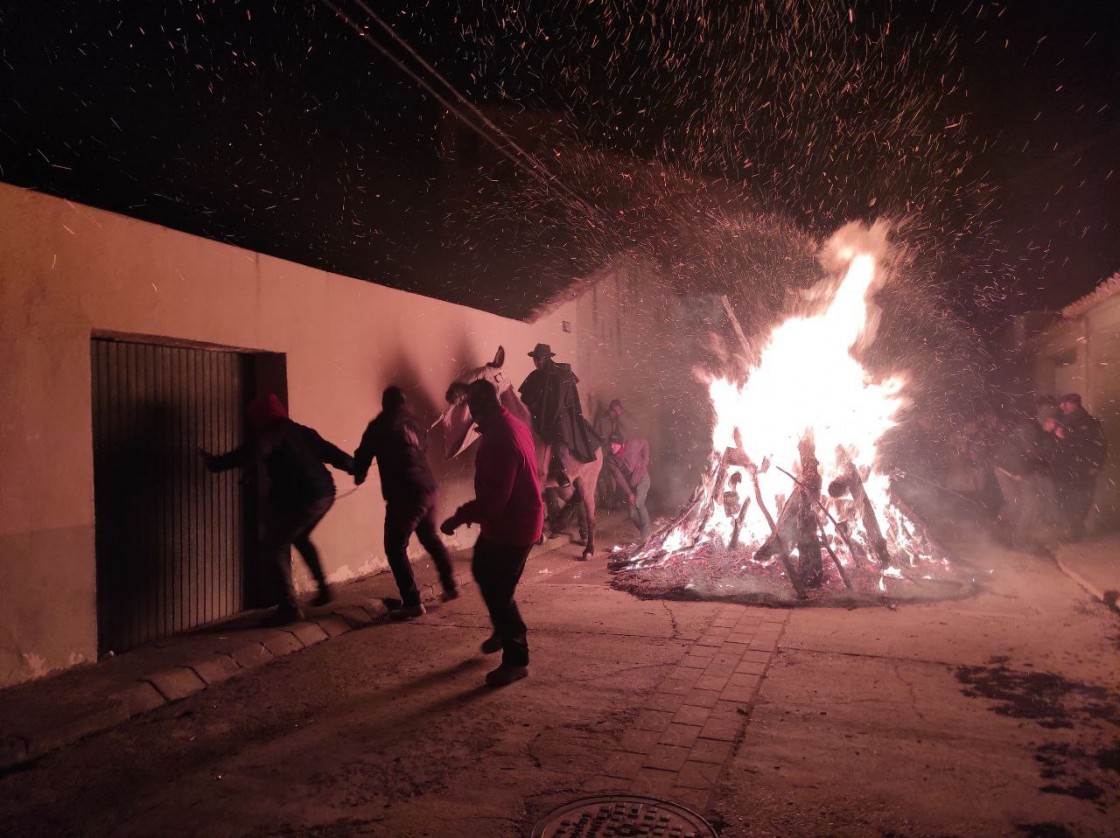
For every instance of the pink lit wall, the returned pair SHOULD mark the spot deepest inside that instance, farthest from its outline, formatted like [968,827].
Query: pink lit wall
[69,271]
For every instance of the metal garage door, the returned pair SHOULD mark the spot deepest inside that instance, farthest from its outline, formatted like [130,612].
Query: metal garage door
[170,536]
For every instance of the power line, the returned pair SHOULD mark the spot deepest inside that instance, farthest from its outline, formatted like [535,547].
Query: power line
[535,168]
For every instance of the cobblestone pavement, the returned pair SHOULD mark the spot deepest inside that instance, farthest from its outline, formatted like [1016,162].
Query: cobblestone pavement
[692,723]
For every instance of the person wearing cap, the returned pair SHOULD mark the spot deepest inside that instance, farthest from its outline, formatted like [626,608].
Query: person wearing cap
[629,463]
[607,424]
[550,393]
[301,491]
[609,421]
[395,439]
[1082,454]
[508,507]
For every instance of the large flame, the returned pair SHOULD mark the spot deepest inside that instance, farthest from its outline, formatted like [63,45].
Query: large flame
[806,391]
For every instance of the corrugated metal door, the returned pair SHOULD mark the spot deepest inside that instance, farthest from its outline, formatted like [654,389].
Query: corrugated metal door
[170,536]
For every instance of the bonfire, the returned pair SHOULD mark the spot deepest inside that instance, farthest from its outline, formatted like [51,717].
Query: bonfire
[796,489]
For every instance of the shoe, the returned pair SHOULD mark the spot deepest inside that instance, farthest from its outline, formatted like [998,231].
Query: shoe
[449,594]
[408,612]
[282,616]
[324,597]
[491,644]
[505,675]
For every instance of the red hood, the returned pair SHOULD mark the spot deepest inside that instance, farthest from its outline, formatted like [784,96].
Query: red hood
[264,410]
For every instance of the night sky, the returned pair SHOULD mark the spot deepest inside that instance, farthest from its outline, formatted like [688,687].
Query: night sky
[990,132]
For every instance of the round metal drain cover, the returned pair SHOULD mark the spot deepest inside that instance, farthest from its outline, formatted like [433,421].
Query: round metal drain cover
[622,814]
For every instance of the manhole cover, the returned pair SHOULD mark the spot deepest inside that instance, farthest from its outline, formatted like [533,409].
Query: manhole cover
[622,814]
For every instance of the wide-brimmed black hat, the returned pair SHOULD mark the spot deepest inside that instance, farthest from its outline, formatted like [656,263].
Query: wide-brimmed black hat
[542,350]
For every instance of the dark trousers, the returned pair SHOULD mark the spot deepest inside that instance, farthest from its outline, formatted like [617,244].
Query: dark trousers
[1076,498]
[289,523]
[497,569]
[402,519]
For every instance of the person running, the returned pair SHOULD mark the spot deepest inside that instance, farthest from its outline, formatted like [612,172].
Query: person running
[395,439]
[508,507]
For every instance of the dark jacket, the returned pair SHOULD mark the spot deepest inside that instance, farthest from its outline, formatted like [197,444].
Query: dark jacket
[1084,447]
[294,455]
[400,447]
[552,398]
[631,464]
[507,501]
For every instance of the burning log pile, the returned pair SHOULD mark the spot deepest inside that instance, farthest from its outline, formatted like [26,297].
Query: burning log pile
[802,417]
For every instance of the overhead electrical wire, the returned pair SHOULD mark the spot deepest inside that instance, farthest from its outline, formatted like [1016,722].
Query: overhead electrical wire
[523,159]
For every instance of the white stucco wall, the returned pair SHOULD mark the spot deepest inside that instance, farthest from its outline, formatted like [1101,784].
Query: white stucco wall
[68,271]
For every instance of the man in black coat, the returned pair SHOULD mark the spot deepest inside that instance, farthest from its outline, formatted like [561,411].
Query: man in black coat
[301,491]
[395,439]
[1082,453]
[550,393]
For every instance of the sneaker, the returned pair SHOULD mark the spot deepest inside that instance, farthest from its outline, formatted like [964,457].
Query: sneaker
[282,616]
[491,644]
[505,675]
[408,612]
[449,594]
[324,597]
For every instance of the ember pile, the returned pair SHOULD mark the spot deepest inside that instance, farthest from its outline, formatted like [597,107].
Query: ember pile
[795,504]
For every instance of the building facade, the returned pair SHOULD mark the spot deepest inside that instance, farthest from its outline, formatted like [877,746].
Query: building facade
[1079,352]
[125,347]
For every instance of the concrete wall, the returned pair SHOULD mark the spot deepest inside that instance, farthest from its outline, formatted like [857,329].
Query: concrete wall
[68,271]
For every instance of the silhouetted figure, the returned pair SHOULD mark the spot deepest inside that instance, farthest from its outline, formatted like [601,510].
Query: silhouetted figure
[609,423]
[1082,453]
[301,491]
[550,393]
[395,439]
[508,507]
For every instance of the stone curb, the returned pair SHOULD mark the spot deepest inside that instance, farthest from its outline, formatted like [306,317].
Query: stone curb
[175,683]
[1109,598]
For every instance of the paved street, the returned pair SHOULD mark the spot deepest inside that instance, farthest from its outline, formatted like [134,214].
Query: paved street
[994,715]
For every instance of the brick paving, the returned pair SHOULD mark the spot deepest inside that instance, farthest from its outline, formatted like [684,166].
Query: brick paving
[680,743]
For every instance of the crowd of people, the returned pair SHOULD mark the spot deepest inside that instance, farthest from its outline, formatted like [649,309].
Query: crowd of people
[508,504]
[1034,473]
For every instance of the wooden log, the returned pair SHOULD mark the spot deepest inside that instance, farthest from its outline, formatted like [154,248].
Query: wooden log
[738,524]
[836,561]
[714,497]
[749,355]
[784,534]
[808,545]
[782,537]
[761,503]
[867,514]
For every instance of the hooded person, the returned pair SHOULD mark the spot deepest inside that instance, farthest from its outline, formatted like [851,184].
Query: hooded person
[301,491]
[550,393]
[395,439]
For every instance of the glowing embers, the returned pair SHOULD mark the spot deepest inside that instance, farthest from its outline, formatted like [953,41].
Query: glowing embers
[794,491]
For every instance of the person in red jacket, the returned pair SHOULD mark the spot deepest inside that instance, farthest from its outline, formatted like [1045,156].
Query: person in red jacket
[510,512]
[629,463]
